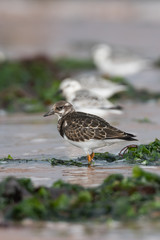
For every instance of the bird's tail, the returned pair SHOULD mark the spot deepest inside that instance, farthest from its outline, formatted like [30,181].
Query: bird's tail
[129,137]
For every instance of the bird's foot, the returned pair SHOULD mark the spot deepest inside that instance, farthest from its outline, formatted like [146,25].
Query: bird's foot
[90,158]
[124,150]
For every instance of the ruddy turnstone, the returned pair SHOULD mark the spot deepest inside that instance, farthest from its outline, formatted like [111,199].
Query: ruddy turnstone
[84,130]
[122,64]
[86,101]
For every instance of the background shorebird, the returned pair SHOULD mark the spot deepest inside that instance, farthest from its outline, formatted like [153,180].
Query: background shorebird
[100,86]
[121,64]
[96,85]
[87,101]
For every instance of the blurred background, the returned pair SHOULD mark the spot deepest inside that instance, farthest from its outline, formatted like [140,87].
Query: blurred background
[66,29]
[33,32]
[69,27]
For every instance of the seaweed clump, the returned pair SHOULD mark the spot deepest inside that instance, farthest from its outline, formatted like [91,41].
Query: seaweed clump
[55,162]
[116,198]
[143,154]
[147,154]
[138,95]
[29,85]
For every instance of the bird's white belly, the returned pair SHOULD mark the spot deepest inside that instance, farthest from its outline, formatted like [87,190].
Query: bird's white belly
[89,145]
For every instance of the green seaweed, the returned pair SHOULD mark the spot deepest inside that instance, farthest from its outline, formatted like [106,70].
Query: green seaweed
[132,93]
[9,157]
[106,156]
[118,198]
[70,64]
[147,154]
[55,162]
[30,84]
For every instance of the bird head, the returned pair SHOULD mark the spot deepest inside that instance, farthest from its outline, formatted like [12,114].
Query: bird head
[101,52]
[69,87]
[60,109]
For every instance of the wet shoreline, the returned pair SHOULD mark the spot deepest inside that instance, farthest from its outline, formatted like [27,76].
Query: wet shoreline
[50,28]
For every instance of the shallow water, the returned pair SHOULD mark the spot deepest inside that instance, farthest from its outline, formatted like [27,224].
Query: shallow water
[34,137]
[80,231]
[42,173]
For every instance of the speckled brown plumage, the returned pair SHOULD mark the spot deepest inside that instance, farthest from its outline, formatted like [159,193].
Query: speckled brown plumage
[79,126]
[84,130]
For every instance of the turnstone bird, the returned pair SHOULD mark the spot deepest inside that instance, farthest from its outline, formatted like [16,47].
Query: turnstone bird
[85,100]
[84,130]
[121,64]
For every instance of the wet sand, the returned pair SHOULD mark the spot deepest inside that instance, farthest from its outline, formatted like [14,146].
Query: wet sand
[45,174]
[34,137]
[82,231]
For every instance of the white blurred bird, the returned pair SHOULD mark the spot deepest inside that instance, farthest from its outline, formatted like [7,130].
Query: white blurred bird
[100,86]
[121,64]
[85,100]
[96,85]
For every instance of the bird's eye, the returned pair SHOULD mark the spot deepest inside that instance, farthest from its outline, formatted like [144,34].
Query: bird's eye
[59,108]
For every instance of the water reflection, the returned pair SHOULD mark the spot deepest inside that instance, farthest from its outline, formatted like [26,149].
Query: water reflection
[42,173]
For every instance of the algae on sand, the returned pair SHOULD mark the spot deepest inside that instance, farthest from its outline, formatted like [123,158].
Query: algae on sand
[145,154]
[116,198]
[29,85]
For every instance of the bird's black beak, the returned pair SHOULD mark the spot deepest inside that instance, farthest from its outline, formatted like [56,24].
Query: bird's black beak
[51,112]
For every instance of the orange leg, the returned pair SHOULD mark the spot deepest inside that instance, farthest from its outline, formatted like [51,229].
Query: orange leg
[90,157]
